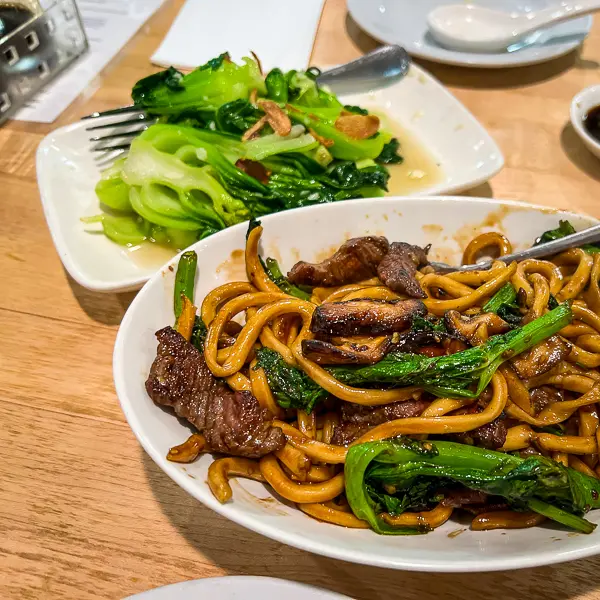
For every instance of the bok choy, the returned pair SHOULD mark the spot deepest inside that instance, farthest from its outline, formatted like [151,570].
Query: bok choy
[196,172]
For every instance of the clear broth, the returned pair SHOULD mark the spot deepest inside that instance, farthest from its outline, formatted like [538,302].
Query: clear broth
[149,255]
[419,170]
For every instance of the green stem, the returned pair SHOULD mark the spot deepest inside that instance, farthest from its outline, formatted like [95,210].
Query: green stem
[184,280]
[561,516]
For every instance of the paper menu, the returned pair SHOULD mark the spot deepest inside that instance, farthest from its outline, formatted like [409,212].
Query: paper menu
[109,25]
[280,32]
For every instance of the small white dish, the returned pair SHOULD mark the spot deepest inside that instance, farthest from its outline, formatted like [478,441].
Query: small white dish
[404,22]
[581,104]
[446,222]
[238,588]
[67,174]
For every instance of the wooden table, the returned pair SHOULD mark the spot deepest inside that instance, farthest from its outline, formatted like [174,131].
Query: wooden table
[84,511]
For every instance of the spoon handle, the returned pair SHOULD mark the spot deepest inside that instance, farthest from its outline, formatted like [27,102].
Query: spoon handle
[384,63]
[586,236]
[563,12]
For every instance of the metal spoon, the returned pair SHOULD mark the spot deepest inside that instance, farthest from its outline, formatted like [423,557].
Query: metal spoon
[479,29]
[586,236]
[382,66]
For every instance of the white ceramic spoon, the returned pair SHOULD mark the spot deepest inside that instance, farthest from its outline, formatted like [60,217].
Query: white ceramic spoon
[478,29]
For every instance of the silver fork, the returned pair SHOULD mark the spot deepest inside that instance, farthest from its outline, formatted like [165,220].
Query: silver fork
[586,236]
[384,65]
[120,133]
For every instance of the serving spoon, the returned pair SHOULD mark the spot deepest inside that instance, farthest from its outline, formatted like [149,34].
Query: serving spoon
[586,236]
[379,67]
[479,29]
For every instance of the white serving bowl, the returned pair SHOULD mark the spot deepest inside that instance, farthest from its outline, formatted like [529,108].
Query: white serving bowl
[581,104]
[446,222]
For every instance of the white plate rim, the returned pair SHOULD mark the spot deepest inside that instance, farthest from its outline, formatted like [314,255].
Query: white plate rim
[193,587]
[129,283]
[546,557]
[445,55]
[59,239]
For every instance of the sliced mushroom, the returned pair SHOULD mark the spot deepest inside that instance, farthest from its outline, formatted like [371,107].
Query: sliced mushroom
[541,358]
[466,328]
[276,116]
[358,127]
[365,317]
[361,352]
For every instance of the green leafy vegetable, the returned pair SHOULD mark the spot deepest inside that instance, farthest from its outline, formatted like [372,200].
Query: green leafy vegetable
[505,295]
[416,471]
[185,278]
[504,304]
[125,230]
[111,190]
[552,302]
[389,153]
[343,147]
[185,177]
[236,116]
[356,109]
[206,88]
[277,86]
[279,279]
[456,374]
[427,324]
[291,387]
[199,333]
[564,228]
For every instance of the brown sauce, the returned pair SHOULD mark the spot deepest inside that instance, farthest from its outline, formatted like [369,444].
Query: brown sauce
[591,122]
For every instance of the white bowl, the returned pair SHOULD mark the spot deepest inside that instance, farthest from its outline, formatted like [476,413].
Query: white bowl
[67,174]
[581,104]
[447,223]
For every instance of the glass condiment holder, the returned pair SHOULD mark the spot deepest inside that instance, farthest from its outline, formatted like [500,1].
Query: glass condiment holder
[37,50]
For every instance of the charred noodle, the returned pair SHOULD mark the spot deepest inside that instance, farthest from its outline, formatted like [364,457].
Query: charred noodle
[460,372]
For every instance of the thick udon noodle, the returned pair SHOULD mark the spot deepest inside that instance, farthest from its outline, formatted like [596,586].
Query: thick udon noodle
[309,469]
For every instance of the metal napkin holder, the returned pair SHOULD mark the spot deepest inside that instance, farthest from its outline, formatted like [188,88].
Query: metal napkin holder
[35,53]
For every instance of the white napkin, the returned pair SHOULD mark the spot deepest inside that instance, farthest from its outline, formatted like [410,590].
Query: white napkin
[280,32]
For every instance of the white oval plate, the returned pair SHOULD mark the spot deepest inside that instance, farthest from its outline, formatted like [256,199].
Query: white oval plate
[67,174]
[448,224]
[238,588]
[404,22]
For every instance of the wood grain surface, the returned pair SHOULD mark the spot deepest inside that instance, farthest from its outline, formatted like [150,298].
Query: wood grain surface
[84,513]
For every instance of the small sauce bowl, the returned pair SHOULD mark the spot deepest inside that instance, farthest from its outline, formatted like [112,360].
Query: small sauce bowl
[581,105]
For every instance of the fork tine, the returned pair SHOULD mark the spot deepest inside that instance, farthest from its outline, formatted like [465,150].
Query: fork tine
[113,111]
[104,160]
[138,119]
[112,136]
[123,146]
